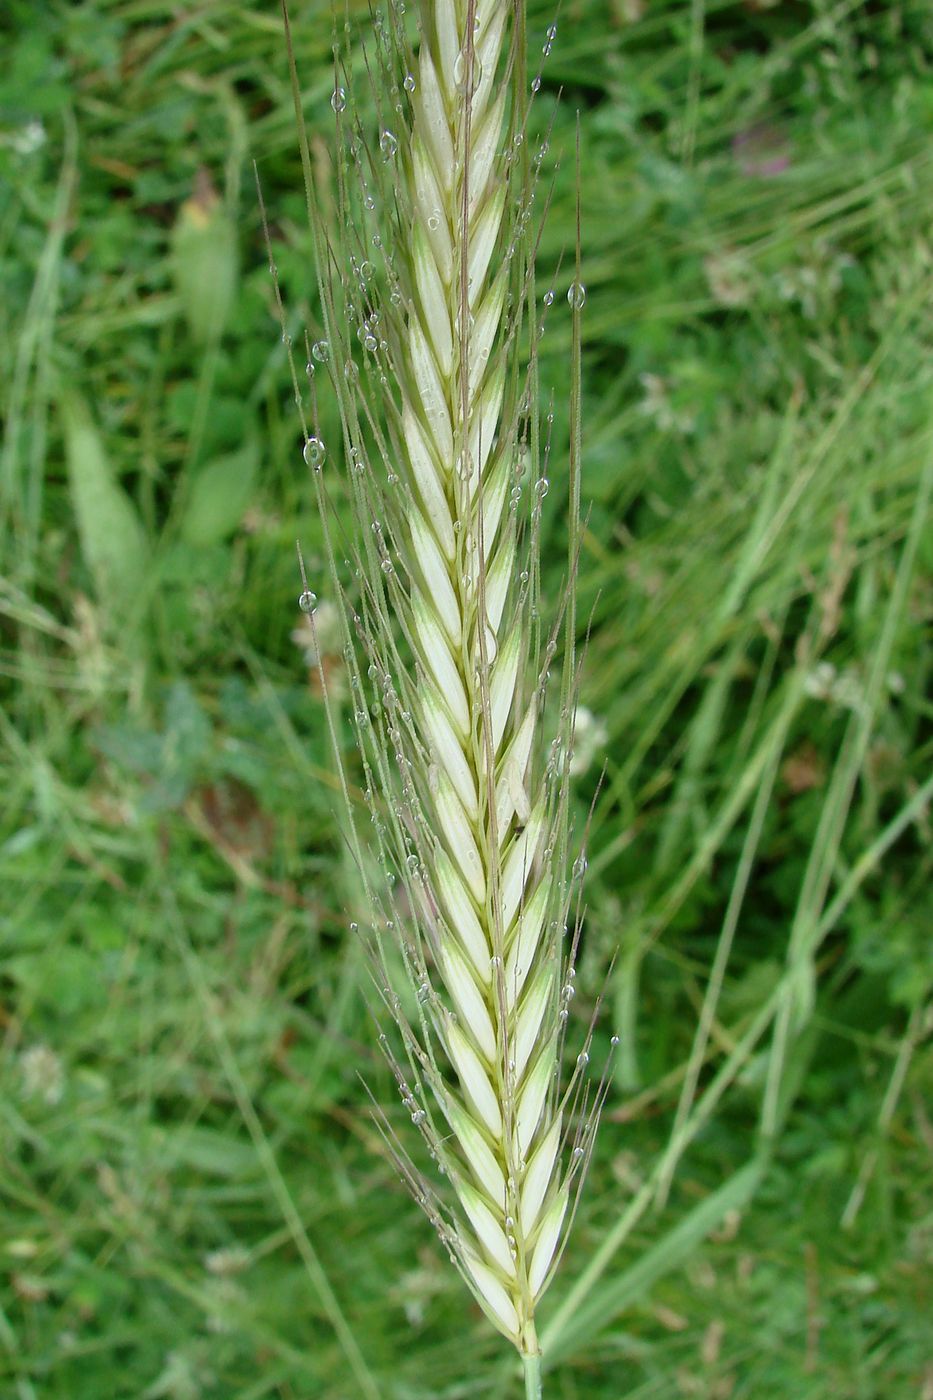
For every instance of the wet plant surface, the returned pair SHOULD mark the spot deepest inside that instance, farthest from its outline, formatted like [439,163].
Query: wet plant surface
[195,1198]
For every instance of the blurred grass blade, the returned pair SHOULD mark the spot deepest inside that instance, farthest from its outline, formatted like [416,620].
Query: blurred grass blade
[205,261]
[806,931]
[113,541]
[25,413]
[220,494]
[317,1274]
[578,1321]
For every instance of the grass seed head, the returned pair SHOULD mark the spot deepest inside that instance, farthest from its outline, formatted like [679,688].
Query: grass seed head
[464,816]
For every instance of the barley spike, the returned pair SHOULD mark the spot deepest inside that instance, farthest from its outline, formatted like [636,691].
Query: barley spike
[443,630]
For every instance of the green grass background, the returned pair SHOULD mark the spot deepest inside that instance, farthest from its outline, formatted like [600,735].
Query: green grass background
[194,1200]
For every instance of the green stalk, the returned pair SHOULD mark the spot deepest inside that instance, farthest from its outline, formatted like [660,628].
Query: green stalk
[532,1365]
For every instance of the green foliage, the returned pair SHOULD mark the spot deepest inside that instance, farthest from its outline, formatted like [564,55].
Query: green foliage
[204,244]
[113,541]
[220,494]
[194,1198]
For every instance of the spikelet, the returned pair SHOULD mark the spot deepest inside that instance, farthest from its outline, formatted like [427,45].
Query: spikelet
[445,648]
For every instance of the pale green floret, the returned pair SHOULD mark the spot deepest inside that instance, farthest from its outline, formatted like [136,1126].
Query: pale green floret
[474,1081]
[531,1099]
[486,1169]
[524,945]
[482,244]
[502,687]
[436,578]
[538,1176]
[440,663]
[460,839]
[449,754]
[547,1243]
[533,1007]
[494,1296]
[498,580]
[461,914]
[469,1002]
[518,863]
[433,302]
[511,793]
[485,419]
[488,1230]
[428,483]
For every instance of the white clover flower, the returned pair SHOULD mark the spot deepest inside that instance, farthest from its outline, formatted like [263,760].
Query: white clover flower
[590,737]
[43,1075]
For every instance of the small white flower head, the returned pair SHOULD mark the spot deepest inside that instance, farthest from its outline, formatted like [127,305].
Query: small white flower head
[223,1262]
[841,688]
[590,737]
[728,277]
[43,1075]
[323,638]
[818,682]
[25,140]
[658,405]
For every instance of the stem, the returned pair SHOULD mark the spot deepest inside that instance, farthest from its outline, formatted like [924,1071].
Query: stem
[532,1365]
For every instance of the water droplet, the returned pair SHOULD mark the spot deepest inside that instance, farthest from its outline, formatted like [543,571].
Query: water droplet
[460,71]
[320,351]
[338,100]
[551,36]
[307,601]
[418,1116]
[314,453]
[549,298]
[576,295]
[424,991]
[434,220]
[614,1040]
[409,83]
[542,487]
[388,145]
[583,1059]
[579,867]
[387,566]
[536,84]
